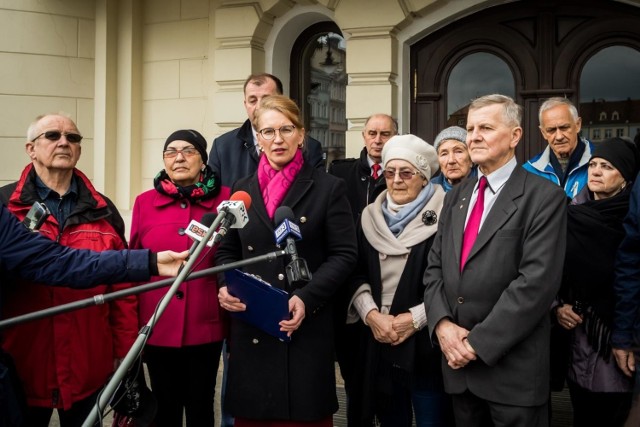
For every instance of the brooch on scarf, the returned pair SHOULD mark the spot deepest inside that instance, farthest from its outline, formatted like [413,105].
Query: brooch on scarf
[429,218]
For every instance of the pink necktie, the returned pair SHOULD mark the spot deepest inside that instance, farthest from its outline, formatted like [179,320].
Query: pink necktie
[473,225]
[376,170]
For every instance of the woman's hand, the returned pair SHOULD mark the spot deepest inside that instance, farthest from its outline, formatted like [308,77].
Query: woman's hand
[403,325]
[297,310]
[229,302]
[169,262]
[382,327]
[567,318]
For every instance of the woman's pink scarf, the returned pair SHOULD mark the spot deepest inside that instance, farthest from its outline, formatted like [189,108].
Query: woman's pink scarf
[274,184]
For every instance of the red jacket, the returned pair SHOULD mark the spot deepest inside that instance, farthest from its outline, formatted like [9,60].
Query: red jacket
[193,316]
[65,358]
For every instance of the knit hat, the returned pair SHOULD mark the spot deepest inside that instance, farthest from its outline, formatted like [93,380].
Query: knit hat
[414,150]
[453,132]
[193,137]
[622,154]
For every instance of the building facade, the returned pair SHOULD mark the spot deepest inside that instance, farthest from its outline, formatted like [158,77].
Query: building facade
[130,72]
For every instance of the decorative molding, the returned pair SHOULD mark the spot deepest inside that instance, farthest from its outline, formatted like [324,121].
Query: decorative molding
[363,79]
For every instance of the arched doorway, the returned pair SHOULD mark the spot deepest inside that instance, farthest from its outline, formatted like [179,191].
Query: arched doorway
[319,85]
[542,46]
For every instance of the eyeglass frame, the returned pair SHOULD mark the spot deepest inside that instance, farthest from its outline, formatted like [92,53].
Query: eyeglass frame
[278,130]
[48,133]
[173,153]
[386,172]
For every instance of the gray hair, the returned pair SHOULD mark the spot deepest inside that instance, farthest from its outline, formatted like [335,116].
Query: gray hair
[32,130]
[394,122]
[554,102]
[512,112]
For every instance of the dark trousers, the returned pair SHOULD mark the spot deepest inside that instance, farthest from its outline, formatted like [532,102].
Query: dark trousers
[36,416]
[471,411]
[598,409]
[184,379]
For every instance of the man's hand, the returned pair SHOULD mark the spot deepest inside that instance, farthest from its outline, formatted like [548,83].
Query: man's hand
[403,325]
[169,262]
[626,361]
[297,310]
[229,302]
[382,327]
[454,344]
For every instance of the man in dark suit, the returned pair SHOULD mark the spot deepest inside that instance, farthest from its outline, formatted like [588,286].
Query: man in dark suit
[234,154]
[488,292]
[364,175]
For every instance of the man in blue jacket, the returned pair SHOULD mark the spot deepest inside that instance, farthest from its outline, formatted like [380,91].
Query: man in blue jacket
[625,336]
[566,160]
[37,258]
[235,154]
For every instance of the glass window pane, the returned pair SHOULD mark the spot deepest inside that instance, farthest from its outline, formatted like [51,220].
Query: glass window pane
[328,120]
[610,94]
[476,75]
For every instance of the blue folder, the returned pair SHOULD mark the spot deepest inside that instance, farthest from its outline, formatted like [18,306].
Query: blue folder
[266,305]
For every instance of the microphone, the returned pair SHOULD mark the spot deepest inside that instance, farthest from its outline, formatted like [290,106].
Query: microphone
[197,230]
[36,216]
[297,270]
[235,213]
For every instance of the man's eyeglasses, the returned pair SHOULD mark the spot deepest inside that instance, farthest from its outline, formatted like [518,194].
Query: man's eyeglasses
[270,133]
[54,135]
[186,152]
[405,175]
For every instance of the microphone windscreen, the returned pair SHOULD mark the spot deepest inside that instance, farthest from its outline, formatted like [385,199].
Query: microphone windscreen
[242,196]
[208,218]
[282,213]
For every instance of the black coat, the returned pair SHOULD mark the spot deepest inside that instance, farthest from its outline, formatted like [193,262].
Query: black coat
[362,189]
[416,357]
[269,379]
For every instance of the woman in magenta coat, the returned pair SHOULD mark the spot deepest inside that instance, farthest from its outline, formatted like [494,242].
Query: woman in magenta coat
[183,351]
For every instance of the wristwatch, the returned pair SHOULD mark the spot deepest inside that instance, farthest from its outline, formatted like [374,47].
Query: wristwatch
[416,325]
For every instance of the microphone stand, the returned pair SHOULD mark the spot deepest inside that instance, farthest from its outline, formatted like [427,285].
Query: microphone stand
[105,298]
[112,386]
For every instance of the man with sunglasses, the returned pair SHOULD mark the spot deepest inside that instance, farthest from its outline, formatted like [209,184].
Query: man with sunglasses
[63,361]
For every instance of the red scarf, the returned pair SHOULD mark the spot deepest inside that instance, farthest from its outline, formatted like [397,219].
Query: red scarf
[274,184]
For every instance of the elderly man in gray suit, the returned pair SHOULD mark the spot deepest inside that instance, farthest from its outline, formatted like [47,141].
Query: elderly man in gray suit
[493,271]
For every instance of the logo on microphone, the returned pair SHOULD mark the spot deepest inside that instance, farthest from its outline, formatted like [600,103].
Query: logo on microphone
[287,228]
[238,210]
[197,231]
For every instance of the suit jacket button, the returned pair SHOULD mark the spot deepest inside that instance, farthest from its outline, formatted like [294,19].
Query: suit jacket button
[179,295]
[181,231]
[250,248]
[303,219]
[280,276]
[460,300]
[255,341]
[183,205]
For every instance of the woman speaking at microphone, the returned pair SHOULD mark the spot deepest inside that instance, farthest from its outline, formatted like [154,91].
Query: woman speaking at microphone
[183,351]
[271,382]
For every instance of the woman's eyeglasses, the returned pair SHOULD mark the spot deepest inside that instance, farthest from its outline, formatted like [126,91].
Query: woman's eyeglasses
[186,152]
[270,133]
[54,135]
[405,175]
